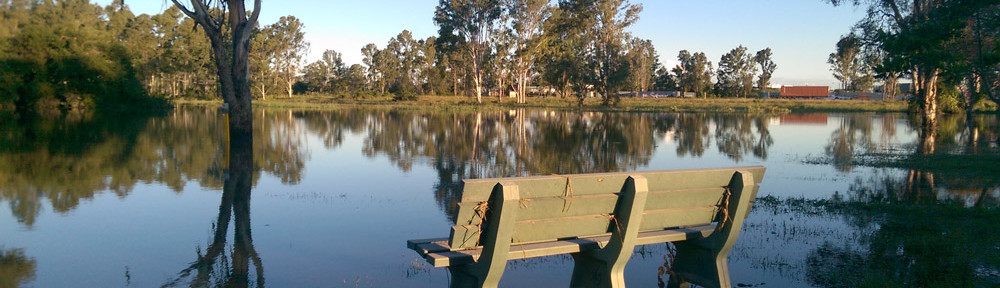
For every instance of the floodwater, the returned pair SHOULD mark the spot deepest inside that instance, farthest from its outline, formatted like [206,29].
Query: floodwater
[144,201]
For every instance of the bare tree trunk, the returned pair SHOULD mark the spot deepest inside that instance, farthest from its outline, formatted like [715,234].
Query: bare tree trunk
[889,87]
[231,67]
[522,87]
[454,82]
[502,89]
[263,92]
[479,84]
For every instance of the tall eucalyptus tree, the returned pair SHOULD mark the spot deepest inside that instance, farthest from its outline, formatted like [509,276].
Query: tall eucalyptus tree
[231,53]
[528,19]
[607,45]
[736,72]
[767,67]
[470,24]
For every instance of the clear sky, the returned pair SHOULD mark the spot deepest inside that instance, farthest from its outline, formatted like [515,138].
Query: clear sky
[801,33]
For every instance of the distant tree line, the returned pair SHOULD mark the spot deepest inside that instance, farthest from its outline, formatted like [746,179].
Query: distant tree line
[73,52]
[570,48]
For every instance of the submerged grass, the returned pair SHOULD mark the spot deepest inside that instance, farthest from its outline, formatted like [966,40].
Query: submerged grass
[984,163]
[914,245]
[459,103]
[980,167]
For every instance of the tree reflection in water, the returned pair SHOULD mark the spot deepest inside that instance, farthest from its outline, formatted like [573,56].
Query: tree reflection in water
[15,268]
[533,142]
[937,223]
[742,134]
[96,154]
[93,154]
[212,268]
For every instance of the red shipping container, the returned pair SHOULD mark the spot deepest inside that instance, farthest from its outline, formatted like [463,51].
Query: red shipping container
[805,91]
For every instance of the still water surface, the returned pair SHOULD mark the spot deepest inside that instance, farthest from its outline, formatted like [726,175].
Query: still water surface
[89,201]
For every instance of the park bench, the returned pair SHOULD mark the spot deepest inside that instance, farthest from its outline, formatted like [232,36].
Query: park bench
[598,219]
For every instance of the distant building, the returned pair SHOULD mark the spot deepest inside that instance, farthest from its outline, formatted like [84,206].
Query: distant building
[805,91]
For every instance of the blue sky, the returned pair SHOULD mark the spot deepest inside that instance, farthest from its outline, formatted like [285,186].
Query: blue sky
[801,33]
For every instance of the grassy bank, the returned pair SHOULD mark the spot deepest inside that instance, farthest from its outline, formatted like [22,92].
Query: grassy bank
[452,103]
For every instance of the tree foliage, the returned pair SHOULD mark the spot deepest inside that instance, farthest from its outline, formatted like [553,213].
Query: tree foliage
[924,39]
[407,67]
[16,269]
[767,67]
[470,25]
[735,74]
[291,48]
[847,62]
[694,73]
[643,63]
[529,39]
[67,54]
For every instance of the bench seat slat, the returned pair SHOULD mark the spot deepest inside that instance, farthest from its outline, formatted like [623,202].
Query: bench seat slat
[438,254]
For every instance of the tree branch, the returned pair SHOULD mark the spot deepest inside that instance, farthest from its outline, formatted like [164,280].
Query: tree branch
[895,11]
[254,15]
[183,9]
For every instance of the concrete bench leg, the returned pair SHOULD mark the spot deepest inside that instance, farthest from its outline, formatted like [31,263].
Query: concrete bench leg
[704,261]
[496,236]
[700,266]
[606,267]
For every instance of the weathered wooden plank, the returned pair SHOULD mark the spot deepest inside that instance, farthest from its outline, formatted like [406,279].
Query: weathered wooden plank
[548,207]
[464,236]
[667,218]
[467,236]
[425,246]
[557,207]
[549,186]
[553,229]
[683,198]
[674,235]
[477,190]
[531,250]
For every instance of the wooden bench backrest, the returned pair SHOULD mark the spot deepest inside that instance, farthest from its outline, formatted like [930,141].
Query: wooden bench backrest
[582,205]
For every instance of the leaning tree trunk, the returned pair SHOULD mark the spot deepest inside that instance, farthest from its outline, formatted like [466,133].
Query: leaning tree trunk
[232,65]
